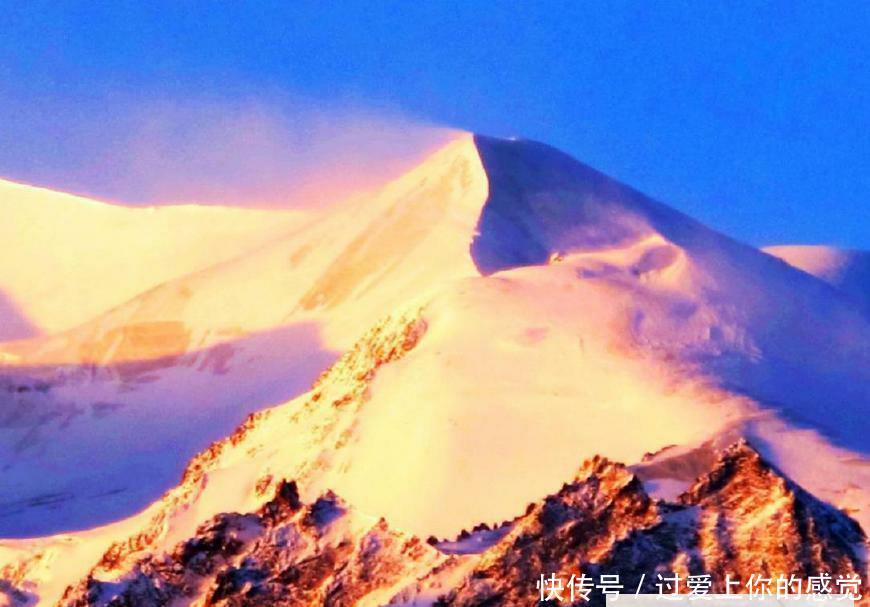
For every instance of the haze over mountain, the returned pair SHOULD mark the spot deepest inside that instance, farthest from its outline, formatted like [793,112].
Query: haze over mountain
[496,316]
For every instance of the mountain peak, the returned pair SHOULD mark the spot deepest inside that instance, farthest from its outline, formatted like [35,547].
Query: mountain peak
[542,202]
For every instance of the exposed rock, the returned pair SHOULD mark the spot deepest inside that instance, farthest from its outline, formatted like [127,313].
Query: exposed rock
[742,518]
[288,553]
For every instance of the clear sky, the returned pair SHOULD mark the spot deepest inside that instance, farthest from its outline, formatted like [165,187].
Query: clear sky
[753,117]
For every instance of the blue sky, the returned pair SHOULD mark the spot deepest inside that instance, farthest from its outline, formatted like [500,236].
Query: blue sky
[753,117]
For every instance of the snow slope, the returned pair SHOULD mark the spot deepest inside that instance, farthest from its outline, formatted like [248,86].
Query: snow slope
[67,259]
[533,313]
[848,270]
[205,349]
[344,268]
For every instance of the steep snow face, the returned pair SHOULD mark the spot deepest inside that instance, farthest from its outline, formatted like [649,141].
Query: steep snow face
[67,259]
[341,270]
[542,202]
[848,270]
[544,205]
[139,390]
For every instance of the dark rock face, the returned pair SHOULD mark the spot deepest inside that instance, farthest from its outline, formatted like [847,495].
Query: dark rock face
[287,553]
[581,523]
[754,520]
[742,518]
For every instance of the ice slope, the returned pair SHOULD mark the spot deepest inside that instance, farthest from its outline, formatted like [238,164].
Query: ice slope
[848,270]
[535,313]
[67,259]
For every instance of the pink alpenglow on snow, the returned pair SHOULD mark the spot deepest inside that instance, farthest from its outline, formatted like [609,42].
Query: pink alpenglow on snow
[500,365]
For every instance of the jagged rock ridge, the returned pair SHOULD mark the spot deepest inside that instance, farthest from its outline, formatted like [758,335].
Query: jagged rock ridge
[287,553]
[741,518]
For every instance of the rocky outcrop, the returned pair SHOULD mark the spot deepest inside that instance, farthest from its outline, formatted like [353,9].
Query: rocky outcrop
[752,520]
[582,523]
[287,553]
[740,519]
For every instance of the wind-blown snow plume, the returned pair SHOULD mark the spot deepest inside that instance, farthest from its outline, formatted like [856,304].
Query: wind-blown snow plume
[255,149]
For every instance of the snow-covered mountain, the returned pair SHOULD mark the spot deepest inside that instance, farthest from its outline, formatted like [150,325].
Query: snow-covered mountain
[505,313]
